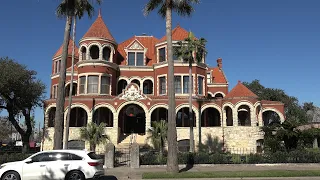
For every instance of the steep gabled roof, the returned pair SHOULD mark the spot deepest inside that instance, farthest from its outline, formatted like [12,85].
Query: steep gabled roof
[147,41]
[218,75]
[240,90]
[99,30]
[178,34]
[76,50]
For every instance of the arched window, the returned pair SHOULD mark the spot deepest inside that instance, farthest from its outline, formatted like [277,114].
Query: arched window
[94,52]
[106,53]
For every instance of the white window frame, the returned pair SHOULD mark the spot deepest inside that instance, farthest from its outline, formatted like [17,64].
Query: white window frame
[182,84]
[99,84]
[135,58]
[158,54]
[203,85]
[56,66]
[54,91]
[210,79]
[158,84]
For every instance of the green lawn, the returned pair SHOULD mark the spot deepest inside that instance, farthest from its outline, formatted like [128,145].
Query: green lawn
[231,174]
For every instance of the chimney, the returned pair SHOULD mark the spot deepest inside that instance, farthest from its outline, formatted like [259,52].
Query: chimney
[219,63]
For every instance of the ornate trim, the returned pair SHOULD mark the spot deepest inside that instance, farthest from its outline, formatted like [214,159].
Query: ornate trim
[132,93]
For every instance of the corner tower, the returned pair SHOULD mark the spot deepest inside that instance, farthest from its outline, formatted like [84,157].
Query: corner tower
[98,43]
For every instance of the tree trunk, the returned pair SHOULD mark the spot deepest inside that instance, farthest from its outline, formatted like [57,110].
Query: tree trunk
[190,107]
[59,117]
[66,130]
[92,147]
[25,142]
[172,162]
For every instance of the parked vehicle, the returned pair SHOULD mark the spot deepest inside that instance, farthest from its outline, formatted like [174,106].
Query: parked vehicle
[54,164]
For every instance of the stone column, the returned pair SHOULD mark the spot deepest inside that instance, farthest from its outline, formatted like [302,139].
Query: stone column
[134,156]
[315,143]
[109,156]
[235,116]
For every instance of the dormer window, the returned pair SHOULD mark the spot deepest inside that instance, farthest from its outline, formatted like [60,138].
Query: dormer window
[162,54]
[135,59]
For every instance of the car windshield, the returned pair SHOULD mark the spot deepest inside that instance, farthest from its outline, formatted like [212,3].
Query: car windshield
[93,155]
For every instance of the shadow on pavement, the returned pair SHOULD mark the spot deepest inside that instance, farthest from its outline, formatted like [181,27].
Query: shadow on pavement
[108,178]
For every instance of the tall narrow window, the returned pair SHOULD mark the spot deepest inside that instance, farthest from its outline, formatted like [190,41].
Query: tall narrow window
[131,59]
[162,54]
[185,84]
[162,85]
[82,84]
[105,85]
[93,84]
[200,85]
[106,53]
[84,53]
[140,59]
[177,84]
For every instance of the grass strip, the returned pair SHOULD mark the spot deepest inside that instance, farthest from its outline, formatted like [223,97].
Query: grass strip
[231,174]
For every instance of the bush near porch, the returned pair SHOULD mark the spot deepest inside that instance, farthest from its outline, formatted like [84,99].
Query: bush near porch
[296,156]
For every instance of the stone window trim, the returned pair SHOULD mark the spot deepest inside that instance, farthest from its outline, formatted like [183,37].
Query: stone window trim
[219,92]
[152,80]
[158,55]
[100,46]
[54,91]
[158,84]
[56,66]
[136,47]
[209,80]
[203,85]
[99,84]
[193,83]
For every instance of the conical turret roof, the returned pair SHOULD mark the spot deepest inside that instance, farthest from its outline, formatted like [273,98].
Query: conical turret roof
[99,30]
[59,52]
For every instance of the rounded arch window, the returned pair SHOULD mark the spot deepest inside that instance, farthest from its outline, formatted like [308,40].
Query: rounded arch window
[106,53]
[94,52]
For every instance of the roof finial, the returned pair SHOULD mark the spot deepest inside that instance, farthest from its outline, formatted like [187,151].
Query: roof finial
[178,24]
[99,13]
[239,81]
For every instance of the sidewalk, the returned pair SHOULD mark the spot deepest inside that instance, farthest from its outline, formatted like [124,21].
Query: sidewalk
[129,173]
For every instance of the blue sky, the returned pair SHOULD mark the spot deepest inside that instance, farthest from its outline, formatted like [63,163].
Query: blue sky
[274,41]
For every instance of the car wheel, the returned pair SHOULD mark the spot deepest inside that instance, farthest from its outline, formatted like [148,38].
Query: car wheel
[11,175]
[75,175]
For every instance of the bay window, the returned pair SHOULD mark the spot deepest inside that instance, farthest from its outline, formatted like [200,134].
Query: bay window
[82,84]
[93,84]
[105,85]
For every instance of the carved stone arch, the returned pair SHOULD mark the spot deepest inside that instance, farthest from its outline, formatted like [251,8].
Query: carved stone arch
[143,106]
[211,94]
[124,78]
[209,116]
[228,104]
[68,82]
[158,106]
[276,111]
[219,92]
[84,45]
[212,105]
[244,102]
[112,50]
[53,105]
[107,105]
[136,78]
[122,87]
[185,105]
[83,106]
[149,90]
[148,78]
[99,47]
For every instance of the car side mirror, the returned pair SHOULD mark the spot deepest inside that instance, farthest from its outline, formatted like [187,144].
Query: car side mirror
[29,161]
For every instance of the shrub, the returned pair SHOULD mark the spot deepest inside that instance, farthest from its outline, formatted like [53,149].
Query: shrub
[4,158]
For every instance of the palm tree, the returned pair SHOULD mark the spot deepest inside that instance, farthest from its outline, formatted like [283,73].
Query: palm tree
[159,134]
[67,9]
[183,8]
[94,134]
[190,49]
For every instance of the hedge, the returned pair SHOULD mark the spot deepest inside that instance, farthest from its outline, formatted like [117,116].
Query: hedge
[4,158]
[297,156]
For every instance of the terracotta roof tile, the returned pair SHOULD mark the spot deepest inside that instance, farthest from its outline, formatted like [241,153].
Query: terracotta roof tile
[99,30]
[178,34]
[76,50]
[147,41]
[240,90]
[218,75]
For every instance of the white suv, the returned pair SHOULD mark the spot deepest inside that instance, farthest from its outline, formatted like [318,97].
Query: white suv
[55,164]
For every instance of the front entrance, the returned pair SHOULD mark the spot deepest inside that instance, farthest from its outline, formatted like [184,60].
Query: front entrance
[132,119]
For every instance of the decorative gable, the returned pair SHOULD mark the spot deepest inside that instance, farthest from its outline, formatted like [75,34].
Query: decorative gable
[135,45]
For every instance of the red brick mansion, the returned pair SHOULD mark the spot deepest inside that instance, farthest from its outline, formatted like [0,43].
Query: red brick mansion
[125,86]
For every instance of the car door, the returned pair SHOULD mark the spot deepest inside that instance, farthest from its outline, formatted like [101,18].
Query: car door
[36,169]
[58,168]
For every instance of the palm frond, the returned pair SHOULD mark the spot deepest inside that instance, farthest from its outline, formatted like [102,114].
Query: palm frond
[75,7]
[152,5]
